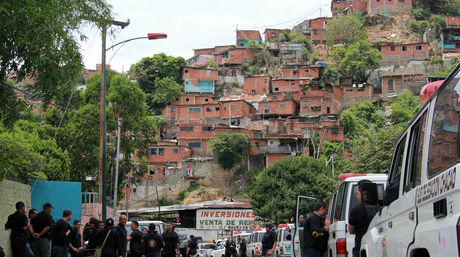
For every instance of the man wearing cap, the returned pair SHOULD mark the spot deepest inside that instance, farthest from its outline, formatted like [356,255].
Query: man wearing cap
[152,242]
[40,227]
[269,240]
[192,247]
[18,224]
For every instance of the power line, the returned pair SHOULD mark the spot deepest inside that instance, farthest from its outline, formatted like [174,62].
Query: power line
[58,106]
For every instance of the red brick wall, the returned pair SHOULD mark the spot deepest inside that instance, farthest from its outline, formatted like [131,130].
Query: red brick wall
[195,99]
[336,6]
[203,51]
[275,107]
[273,157]
[159,173]
[288,85]
[236,109]
[239,55]
[169,154]
[272,34]
[397,84]
[310,106]
[259,85]
[194,74]
[356,91]
[398,49]
[359,5]
[318,29]
[452,20]
[301,72]
[406,3]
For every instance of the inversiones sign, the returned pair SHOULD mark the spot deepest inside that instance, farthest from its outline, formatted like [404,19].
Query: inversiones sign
[228,219]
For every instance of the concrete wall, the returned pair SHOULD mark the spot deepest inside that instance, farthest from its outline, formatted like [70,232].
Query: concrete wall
[10,193]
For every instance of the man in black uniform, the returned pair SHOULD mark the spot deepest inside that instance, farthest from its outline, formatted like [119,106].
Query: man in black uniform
[192,247]
[362,214]
[75,240]
[269,240]
[230,248]
[243,247]
[112,246]
[60,232]
[171,240]
[316,232]
[18,224]
[90,228]
[40,227]
[135,239]
[123,234]
[153,242]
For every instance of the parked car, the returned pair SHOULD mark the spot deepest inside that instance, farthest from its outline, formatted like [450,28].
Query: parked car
[284,246]
[342,201]
[205,249]
[219,249]
[254,246]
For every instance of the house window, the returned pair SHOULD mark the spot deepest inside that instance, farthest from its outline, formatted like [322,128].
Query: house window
[265,106]
[305,105]
[294,72]
[186,99]
[161,151]
[233,107]
[360,89]
[208,109]
[273,34]
[225,108]
[175,150]
[194,109]
[335,131]
[186,71]
[276,89]
[404,48]
[274,97]
[328,110]
[307,71]
[256,135]
[316,108]
[172,122]
[379,48]
[217,109]
[418,47]
[266,111]
[194,145]
[152,171]
[173,109]
[292,83]
[153,151]
[390,85]
[186,129]
[282,106]
[208,129]
[206,99]
[392,48]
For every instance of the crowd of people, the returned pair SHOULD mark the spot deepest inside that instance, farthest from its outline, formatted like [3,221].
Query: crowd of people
[37,235]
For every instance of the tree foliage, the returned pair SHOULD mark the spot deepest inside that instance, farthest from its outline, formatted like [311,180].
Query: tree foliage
[403,108]
[231,148]
[37,38]
[345,29]
[160,78]
[275,191]
[357,61]
[444,7]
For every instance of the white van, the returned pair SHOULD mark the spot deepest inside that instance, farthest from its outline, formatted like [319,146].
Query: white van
[160,226]
[284,245]
[254,246]
[341,242]
[422,203]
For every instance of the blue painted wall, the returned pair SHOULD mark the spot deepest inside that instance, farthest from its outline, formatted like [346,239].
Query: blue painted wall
[62,195]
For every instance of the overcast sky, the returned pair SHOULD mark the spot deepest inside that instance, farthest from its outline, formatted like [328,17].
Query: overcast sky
[192,24]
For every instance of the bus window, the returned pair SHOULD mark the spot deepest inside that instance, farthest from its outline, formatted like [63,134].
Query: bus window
[444,148]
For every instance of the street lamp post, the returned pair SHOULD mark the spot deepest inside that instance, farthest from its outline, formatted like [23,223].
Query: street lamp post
[103,122]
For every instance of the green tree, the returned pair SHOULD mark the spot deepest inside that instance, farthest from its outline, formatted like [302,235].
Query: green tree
[37,38]
[160,74]
[357,61]
[275,191]
[361,117]
[346,29]
[11,107]
[231,148]
[404,107]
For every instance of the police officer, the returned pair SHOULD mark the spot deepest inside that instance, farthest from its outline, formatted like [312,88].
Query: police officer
[269,241]
[171,240]
[18,224]
[153,242]
[112,246]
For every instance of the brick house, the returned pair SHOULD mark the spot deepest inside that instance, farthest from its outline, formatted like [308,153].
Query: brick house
[243,37]
[301,72]
[401,54]
[449,38]
[388,6]
[280,108]
[238,56]
[289,84]
[256,85]
[345,7]
[318,30]
[272,34]
[197,80]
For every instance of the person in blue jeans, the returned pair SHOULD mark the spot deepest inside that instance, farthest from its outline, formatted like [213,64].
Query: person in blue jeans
[315,231]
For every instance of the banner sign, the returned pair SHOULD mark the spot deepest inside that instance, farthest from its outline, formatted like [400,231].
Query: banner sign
[226,219]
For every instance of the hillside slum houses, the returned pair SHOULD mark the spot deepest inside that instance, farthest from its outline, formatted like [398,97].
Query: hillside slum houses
[288,112]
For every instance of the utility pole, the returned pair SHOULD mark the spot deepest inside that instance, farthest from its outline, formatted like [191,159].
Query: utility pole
[115,191]
[103,123]
[158,200]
